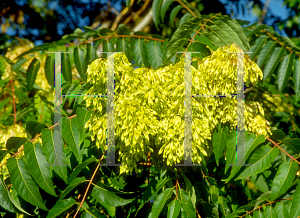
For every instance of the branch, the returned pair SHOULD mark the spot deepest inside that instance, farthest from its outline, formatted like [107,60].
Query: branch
[90,182]
[263,14]
[282,150]
[186,7]
[265,205]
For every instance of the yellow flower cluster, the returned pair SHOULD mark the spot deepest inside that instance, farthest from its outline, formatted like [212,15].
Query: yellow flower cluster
[149,106]
[277,104]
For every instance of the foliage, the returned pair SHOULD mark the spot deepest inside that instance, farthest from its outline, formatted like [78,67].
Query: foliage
[32,184]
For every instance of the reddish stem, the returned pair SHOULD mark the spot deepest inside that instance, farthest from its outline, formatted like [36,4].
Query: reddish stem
[282,150]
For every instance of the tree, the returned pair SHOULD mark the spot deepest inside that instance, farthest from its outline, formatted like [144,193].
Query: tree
[31,184]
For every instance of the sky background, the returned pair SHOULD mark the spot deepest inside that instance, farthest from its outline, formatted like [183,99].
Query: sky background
[275,7]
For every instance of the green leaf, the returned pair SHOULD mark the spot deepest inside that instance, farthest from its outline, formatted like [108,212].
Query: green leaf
[128,3]
[3,153]
[219,141]
[255,28]
[258,214]
[90,53]
[187,208]
[60,207]
[261,160]
[80,167]
[281,210]
[184,18]
[239,33]
[297,78]
[202,192]
[34,127]
[140,55]
[39,167]
[277,135]
[273,62]
[108,46]
[104,194]
[123,44]
[216,30]
[190,189]
[258,46]
[174,209]
[270,212]
[3,103]
[70,132]
[251,142]
[295,208]
[66,67]
[78,32]
[160,202]
[23,182]
[110,210]
[42,47]
[154,53]
[72,185]
[6,200]
[156,6]
[14,143]
[164,8]
[153,187]
[92,212]
[262,199]
[54,153]
[283,179]
[173,14]
[230,149]
[83,115]
[265,53]
[80,62]
[285,70]
[18,64]
[32,73]
[49,70]
[71,91]
[292,143]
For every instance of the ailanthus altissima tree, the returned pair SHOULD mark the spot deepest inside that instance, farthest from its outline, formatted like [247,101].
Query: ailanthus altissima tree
[149,119]
[149,106]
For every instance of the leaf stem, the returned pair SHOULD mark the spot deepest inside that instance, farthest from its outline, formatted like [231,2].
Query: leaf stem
[282,149]
[265,205]
[89,185]
[186,7]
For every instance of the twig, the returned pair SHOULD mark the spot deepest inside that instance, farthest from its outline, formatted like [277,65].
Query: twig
[146,164]
[90,182]
[186,7]
[282,150]
[202,27]
[265,205]
[104,37]
[263,14]
[197,213]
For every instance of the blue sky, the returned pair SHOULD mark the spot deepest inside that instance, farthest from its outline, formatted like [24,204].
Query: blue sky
[275,7]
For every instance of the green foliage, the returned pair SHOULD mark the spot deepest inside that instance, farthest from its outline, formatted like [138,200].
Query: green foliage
[45,180]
